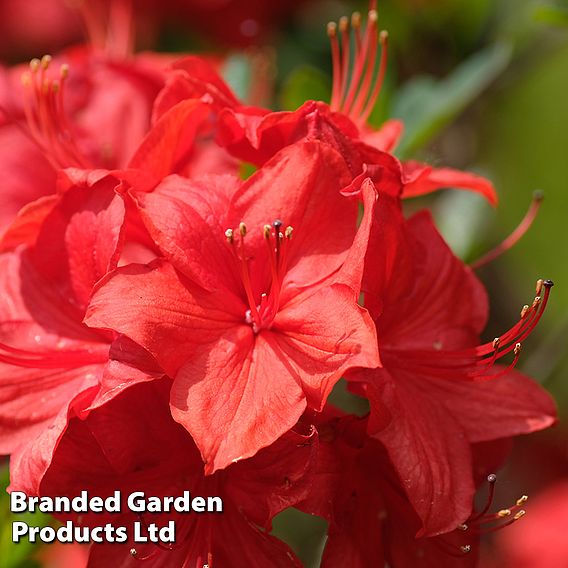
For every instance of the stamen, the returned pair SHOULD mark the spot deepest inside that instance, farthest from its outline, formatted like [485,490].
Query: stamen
[477,362]
[515,236]
[356,96]
[260,315]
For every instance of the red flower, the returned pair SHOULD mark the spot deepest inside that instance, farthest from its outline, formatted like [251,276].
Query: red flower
[158,457]
[438,390]
[253,323]
[49,360]
[255,136]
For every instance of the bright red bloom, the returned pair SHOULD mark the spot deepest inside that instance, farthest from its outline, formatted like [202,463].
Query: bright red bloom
[438,390]
[253,322]
[158,457]
[49,360]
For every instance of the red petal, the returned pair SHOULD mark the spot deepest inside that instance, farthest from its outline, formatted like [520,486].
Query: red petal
[422,179]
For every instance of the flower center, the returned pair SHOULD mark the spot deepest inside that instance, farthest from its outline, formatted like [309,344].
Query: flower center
[47,121]
[261,314]
[357,83]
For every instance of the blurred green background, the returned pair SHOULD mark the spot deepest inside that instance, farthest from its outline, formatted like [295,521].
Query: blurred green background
[481,85]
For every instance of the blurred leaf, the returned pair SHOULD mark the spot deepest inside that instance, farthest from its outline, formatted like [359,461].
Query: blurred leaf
[552,14]
[236,71]
[16,555]
[304,83]
[427,105]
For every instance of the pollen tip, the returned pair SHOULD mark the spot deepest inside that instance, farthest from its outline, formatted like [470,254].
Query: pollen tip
[538,195]
[229,235]
[373,16]
[504,513]
[34,64]
[45,61]
[133,552]
[331,29]
[517,349]
[288,232]
[463,527]
[64,71]
[383,37]
[466,548]
[266,231]
[343,23]
[522,499]
[355,20]
[496,342]
[524,310]
[242,229]
[492,478]
[520,514]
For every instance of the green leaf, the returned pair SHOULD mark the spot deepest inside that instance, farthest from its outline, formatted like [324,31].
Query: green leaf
[14,555]
[303,84]
[426,105]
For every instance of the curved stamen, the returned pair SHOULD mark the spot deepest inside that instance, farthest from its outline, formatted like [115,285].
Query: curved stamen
[515,236]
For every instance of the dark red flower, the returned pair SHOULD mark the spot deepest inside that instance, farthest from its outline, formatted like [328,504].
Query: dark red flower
[252,322]
[157,456]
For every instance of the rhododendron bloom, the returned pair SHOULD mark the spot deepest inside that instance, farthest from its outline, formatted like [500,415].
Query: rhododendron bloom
[254,311]
[438,390]
[159,458]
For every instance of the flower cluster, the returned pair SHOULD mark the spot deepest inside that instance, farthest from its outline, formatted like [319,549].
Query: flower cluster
[168,323]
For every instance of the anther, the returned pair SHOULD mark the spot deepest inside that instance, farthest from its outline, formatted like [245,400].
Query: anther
[267,229]
[517,349]
[133,552]
[522,500]
[520,514]
[343,24]
[288,232]
[356,20]
[496,342]
[491,478]
[503,513]
[373,16]
[383,37]
[466,548]
[229,236]
[34,65]
[242,229]
[64,71]
[463,527]
[539,284]
[45,61]
[524,310]
[331,29]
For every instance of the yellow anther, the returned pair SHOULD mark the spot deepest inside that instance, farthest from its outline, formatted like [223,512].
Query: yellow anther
[524,311]
[373,16]
[355,20]
[504,513]
[242,229]
[462,527]
[267,229]
[466,548]
[34,65]
[229,235]
[496,342]
[520,514]
[522,499]
[45,61]
[64,71]
[539,284]
[343,23]
[288,232]
[331,29]
[383,37]
[517,348]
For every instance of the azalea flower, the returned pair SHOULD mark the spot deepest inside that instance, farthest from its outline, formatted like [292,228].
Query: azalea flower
[253,311]
[50,361]
[159,458]
[438,390]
